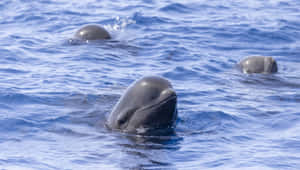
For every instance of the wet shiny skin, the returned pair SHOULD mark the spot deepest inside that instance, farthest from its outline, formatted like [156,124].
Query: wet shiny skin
[149,103]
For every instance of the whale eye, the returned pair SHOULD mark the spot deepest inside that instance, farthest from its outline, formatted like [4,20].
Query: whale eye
[122,121]
[153,96]
[124,117]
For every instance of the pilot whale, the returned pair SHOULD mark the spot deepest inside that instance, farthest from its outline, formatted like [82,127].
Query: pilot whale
[258,64]
[147,104]
[92,32]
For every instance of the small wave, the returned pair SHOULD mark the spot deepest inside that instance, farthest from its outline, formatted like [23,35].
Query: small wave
[142,19]
[13,71]
[17,98]
[255,34]
[268,81]
[31,99]
[17,124]
[71,131]
[24,163]
[180,73]
[286,98]
[5,106]
[207,122]
[176,7]
[28,18]
[120,23]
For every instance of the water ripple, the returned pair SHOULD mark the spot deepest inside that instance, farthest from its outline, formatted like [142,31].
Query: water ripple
[56,95]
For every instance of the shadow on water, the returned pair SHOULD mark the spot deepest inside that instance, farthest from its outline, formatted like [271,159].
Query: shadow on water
[105,44]
[270,80]
[147,151]
[150,151]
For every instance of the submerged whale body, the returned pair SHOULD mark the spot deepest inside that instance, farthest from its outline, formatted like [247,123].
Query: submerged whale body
[148,104]
[258,64]
[92,32]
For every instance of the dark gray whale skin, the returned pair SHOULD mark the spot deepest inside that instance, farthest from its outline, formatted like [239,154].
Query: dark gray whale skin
[147,104]
[92,32]
[258,64]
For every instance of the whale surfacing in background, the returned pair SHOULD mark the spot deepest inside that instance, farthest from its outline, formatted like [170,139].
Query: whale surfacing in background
[148,104]
[258,64]
[92,32]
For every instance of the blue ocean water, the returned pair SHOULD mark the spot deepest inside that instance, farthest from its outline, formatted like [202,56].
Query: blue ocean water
[55,96]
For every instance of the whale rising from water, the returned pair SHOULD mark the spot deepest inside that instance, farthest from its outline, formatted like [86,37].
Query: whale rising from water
[92,32]
[148,104]
[258,64]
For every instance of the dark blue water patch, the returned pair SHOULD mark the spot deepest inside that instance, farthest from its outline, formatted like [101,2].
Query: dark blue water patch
[13,125]
[268,36]
[13,71]
[281,162]
[290,26]
[232,47]
[112,58]
[5,107]
[178,54]
[195,123]
[290,54]
[75,13]
[255,35]
[22,18]
[144,20]
[169,141]
[51,120]
[181,73]
[27,43]
[11,56]
[73,79]
[281,122]
[292,98]
[46,122]
[289,145]
[84,101]
[218,163]
[5,55]
[17,98]
[69,131]
[3,4]
[272,81]
[258,79]
[29,99]
[136,8]
[176,8]
[58,27]
[139,147]
[16,162]
[28,126]
[33,16]
[47,2]
[189,31]
[212,68]
[240,139]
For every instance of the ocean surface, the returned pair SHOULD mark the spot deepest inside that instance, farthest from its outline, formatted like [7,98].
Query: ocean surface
[55,96]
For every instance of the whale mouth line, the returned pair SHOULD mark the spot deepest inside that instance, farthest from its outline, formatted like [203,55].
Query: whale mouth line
[156,104]
[159,103]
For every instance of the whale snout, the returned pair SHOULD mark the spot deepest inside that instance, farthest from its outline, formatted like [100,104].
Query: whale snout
[168,92]
[148,105]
